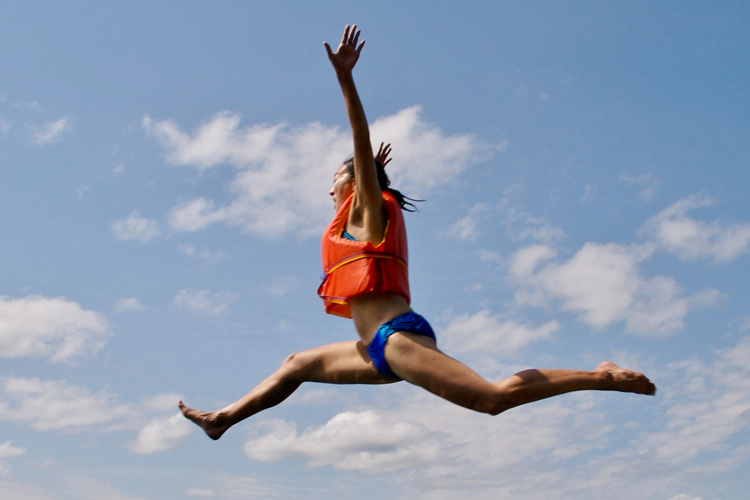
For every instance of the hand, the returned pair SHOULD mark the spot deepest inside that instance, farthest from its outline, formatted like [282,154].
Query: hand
[347,54]
[382,155]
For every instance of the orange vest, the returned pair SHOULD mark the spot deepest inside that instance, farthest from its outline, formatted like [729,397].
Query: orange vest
[358,267]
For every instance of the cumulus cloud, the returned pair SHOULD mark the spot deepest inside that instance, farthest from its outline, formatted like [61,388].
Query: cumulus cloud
[135,228]
[603,285]
[283,174]
[692,239]
[58,328]
[50,132]
[492,334]
[362,441]
[55,405]
[161,434]
[204,301]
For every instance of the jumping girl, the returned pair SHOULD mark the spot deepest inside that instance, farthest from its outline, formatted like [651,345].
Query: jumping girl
[365,265]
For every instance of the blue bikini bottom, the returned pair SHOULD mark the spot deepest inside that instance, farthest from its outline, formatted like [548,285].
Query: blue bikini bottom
[408,322]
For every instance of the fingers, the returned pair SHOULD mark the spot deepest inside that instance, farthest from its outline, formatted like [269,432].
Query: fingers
[328,49]
[345,36]
[356,32]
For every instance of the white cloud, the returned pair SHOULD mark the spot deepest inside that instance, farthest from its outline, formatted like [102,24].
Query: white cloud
[207,255]
[129,304]
[707,408]
[53,404]
[466,227]
[582,445]
[135,228]
[161,402]
[9,451]
[602,284]
[247,487]
[161,434]
[200,493]
[692,239]
[589,192]
[89,488]
[50,132]
[204,301]
[362,441]
[491,334]
[59,328]
[283,285]
[284,174]
[523,226]
[649,183]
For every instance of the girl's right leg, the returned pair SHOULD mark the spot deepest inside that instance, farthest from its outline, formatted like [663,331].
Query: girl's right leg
[416,359]
[341,363]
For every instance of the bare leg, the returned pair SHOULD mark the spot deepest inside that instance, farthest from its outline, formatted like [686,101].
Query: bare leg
[342,363]
[416,359]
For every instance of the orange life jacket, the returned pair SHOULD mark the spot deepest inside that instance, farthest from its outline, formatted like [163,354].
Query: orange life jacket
[353,268]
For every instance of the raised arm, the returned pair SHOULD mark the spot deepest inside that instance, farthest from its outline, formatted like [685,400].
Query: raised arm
[367,189]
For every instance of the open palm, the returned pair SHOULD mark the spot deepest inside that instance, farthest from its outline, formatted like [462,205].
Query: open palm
[347,54]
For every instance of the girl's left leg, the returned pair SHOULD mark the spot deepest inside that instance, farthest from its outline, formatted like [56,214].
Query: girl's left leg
[341,363]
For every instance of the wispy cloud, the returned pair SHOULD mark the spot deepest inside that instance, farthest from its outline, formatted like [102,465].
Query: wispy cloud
[283,173]
[50,132]
[692,239]
[206,255]
[647,182]
[465,228]
[283,285]
[58,328]
[204,301]
[129,304]
[135,228]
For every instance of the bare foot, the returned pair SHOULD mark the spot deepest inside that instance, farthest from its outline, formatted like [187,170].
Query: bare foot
[623,380]
[212,423]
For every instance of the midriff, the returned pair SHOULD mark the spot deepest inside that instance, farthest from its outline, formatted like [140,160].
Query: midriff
[373,309]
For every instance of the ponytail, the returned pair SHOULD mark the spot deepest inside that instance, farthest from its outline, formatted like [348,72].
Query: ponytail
[384,182]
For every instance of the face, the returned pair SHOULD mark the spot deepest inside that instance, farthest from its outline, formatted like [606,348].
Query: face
[343,186]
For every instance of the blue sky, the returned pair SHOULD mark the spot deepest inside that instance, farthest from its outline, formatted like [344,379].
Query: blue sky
[164,176]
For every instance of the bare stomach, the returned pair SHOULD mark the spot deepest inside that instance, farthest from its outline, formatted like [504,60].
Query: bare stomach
[372,310]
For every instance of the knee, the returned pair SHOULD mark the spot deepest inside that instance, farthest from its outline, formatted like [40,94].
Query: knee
[494,404]
[296,364]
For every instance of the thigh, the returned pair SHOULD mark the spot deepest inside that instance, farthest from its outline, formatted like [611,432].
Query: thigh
[340,363]
[416,359]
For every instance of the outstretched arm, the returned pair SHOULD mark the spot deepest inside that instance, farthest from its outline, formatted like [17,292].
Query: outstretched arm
[343,60]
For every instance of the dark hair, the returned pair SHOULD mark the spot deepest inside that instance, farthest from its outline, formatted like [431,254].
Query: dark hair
[384,182]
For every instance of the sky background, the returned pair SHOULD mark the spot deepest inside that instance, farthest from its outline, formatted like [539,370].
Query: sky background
[164,176]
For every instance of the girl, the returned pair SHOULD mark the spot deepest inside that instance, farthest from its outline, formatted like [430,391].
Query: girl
[365,263]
